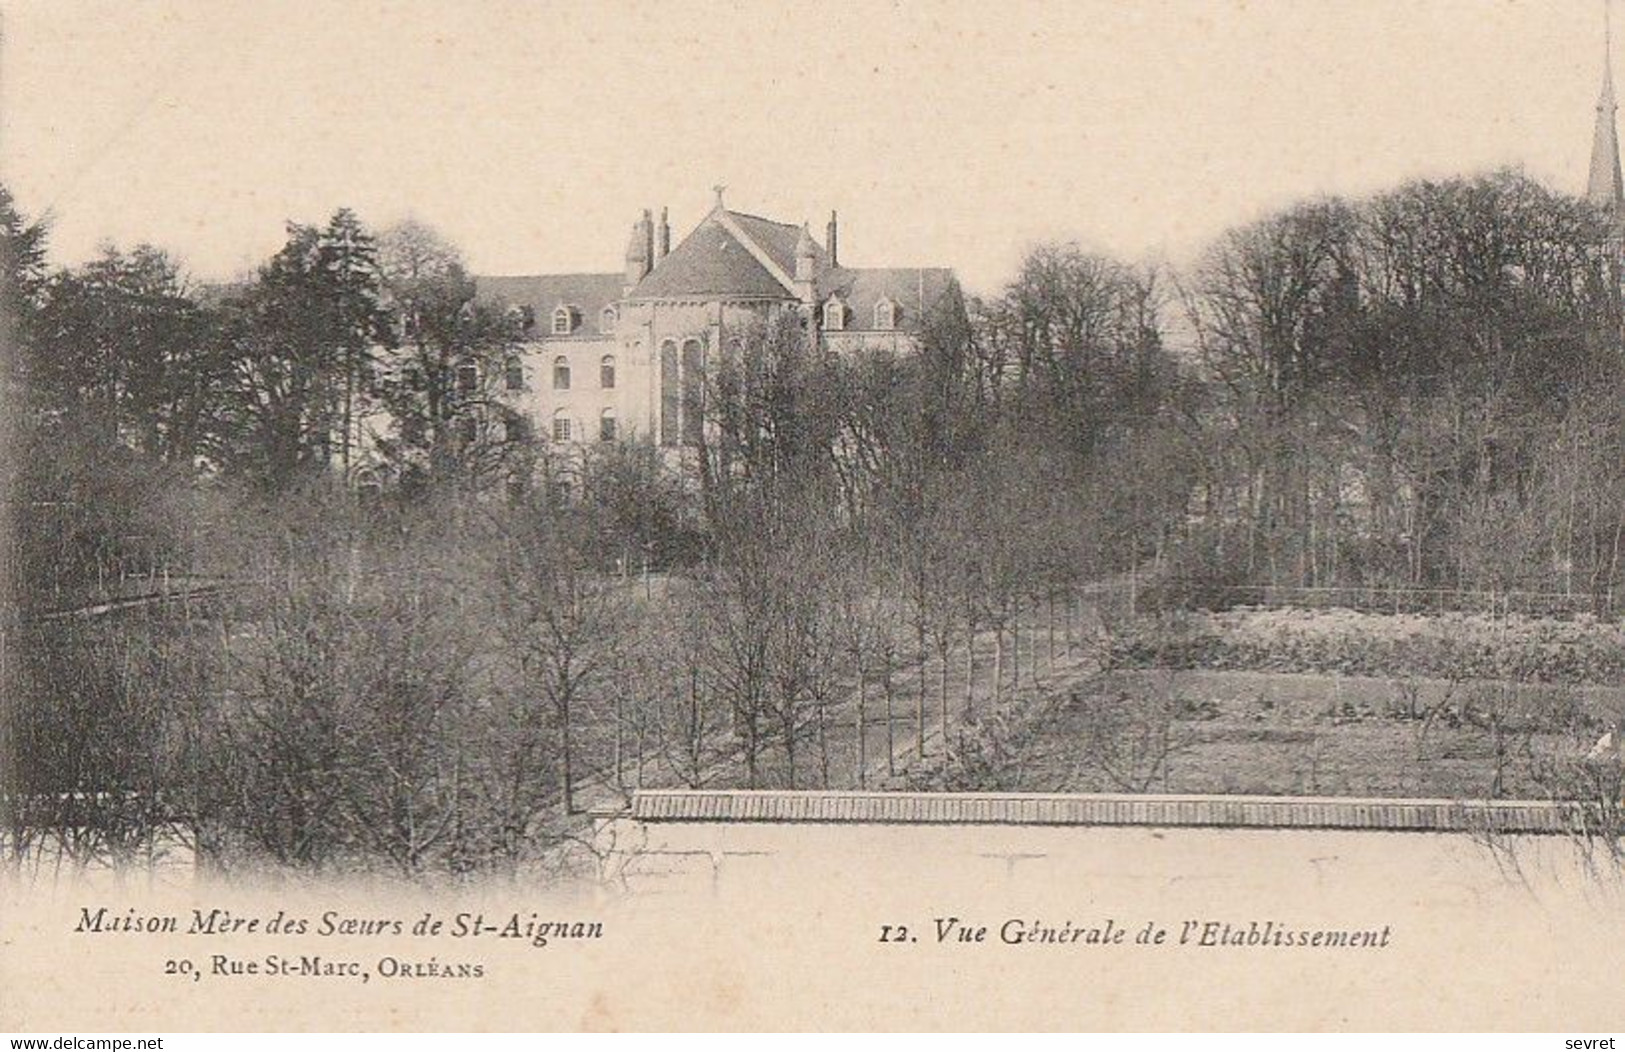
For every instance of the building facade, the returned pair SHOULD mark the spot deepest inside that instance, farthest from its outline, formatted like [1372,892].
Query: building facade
[612,356]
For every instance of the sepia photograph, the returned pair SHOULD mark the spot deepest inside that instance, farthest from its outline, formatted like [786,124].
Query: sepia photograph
[849,516]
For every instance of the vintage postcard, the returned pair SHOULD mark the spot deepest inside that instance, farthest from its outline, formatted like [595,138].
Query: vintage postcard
[843,516]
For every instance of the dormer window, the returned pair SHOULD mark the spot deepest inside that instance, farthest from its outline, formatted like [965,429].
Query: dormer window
[834,313]
[564,321]
[606,320]
[885,314]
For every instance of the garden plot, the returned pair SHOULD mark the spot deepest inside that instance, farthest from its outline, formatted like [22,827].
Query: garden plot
[1452,647]
[1319,703]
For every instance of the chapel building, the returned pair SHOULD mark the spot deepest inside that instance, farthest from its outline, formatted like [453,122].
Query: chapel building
[618,355]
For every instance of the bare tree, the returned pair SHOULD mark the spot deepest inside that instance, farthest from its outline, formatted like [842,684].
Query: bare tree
[561,618]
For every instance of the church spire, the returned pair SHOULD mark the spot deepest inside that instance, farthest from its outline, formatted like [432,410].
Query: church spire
[1606,187]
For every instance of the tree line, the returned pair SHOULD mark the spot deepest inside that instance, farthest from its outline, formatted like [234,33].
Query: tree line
[865,558]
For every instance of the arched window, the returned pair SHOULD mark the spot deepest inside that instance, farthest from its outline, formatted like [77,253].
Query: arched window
[885,314]
[561,426]
[564,321]
[561,373]
[693,391]
[468,378]
[606,320]
[468,429]
[606,426]
[606,372]
[671,395]
[834,314]
[513,374]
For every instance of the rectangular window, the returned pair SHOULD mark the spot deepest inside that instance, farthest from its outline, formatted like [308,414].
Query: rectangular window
[468,378]
[514,374]
[606,429]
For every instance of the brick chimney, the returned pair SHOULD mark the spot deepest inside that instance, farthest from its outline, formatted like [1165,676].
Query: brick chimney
[663,241]
[829,242]
[638,263]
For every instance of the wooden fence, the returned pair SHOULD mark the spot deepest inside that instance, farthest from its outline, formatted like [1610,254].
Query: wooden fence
[1107,809]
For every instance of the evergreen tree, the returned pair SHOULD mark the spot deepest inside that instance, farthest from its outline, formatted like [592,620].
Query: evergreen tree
[453,353]
[125,354]
[300,338]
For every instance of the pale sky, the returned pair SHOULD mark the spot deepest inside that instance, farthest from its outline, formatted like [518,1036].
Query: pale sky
[956,134]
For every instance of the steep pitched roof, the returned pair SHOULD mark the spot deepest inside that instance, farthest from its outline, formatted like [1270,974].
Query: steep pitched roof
[914,290]
[732,254]
[543,293]
[713,261]
[777,240]
[1605,187]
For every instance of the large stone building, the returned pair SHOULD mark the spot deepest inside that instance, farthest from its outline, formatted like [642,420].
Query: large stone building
[613,355]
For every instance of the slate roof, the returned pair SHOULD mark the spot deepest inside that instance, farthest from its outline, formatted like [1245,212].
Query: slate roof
[711,261]
[543,293]
[778,240]
[915,290]
[714,261]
